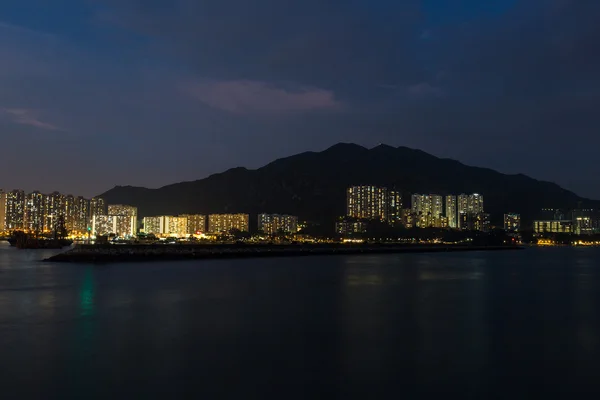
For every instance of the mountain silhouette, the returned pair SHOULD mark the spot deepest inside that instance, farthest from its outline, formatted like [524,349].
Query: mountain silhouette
[313,185]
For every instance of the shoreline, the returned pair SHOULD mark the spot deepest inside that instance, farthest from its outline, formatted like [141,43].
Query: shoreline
[140,253]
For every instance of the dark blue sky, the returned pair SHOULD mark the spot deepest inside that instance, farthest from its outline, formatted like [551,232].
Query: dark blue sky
[95,93]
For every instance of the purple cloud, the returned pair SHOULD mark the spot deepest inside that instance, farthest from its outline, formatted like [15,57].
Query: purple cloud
[27,117]
[253,97]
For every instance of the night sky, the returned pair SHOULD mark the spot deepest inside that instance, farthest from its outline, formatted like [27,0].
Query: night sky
[97,93]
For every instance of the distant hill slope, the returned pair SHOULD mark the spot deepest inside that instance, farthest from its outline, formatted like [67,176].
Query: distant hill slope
[312,185]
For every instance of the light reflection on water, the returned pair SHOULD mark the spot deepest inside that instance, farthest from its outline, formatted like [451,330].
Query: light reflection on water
[478,325]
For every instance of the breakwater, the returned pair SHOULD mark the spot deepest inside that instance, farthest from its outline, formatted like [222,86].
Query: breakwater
[156,252]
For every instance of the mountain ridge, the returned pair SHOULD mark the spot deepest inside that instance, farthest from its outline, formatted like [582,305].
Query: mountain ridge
[312,185]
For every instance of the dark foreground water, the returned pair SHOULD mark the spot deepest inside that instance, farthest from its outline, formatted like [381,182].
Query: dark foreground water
[505,325]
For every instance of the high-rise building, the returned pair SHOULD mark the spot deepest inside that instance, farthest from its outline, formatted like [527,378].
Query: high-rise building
[127,219]
[219,223]
[427,210]
[176,226]
[196,223]
[394,207]
[451,211]
[367,202]
[118,225]
[34,212]
[585,221]
[553,226]
[348,226]
[12,206]
[512,222]
[122,210]
[81,212]
[474,222]
[104,225]
[408,218]
[70,213]
[173,226]
[125,226]
[271,224]
[54,210]
[97,207]
[2,211]
[154,225]
[469,204]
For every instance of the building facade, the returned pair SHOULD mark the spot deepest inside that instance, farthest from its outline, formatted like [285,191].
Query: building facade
[196,223]
[118,225]
[553,226]
[154,225]
[452,211]
[427,210]
[224,223]
[474,222]
[2,211]
[81,215]
[122,210]
[512,222]
[103,225]
[54,210]
[97,207]
[176,226]
[272,224]
[34,212]
[347,227]
[468,204]
[367,202]
[13,205]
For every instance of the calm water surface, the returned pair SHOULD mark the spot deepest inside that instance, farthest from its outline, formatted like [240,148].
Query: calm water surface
[515,325]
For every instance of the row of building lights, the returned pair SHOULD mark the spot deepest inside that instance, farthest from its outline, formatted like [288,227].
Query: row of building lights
[464,211]
[39,213]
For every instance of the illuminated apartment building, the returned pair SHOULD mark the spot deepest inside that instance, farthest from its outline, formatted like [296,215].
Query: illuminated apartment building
[553,226]
[122,210]
[118,225]
[394,207]
[176,226]
[367,202]
[167,225]
[80,214]
[452,211]
[154,225]
[70,212]
[103,225]
[54,210]
[196,223]
[12,210]
[34,212]
[271,224]
[427,210]
[469,204]
[2,211]
[125,226]
[512,222]
[219,223]
[126,221]
[97,207]
[348,226]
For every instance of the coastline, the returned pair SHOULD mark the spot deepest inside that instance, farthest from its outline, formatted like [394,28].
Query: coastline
[140,253]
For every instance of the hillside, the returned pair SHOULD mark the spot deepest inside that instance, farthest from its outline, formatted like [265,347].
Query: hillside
[312,185]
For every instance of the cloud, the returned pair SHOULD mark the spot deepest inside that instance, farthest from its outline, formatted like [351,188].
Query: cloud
[27,117]
[425,89]
[250,97]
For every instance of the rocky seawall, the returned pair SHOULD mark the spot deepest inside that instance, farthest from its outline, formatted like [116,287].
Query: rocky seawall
[130,253]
